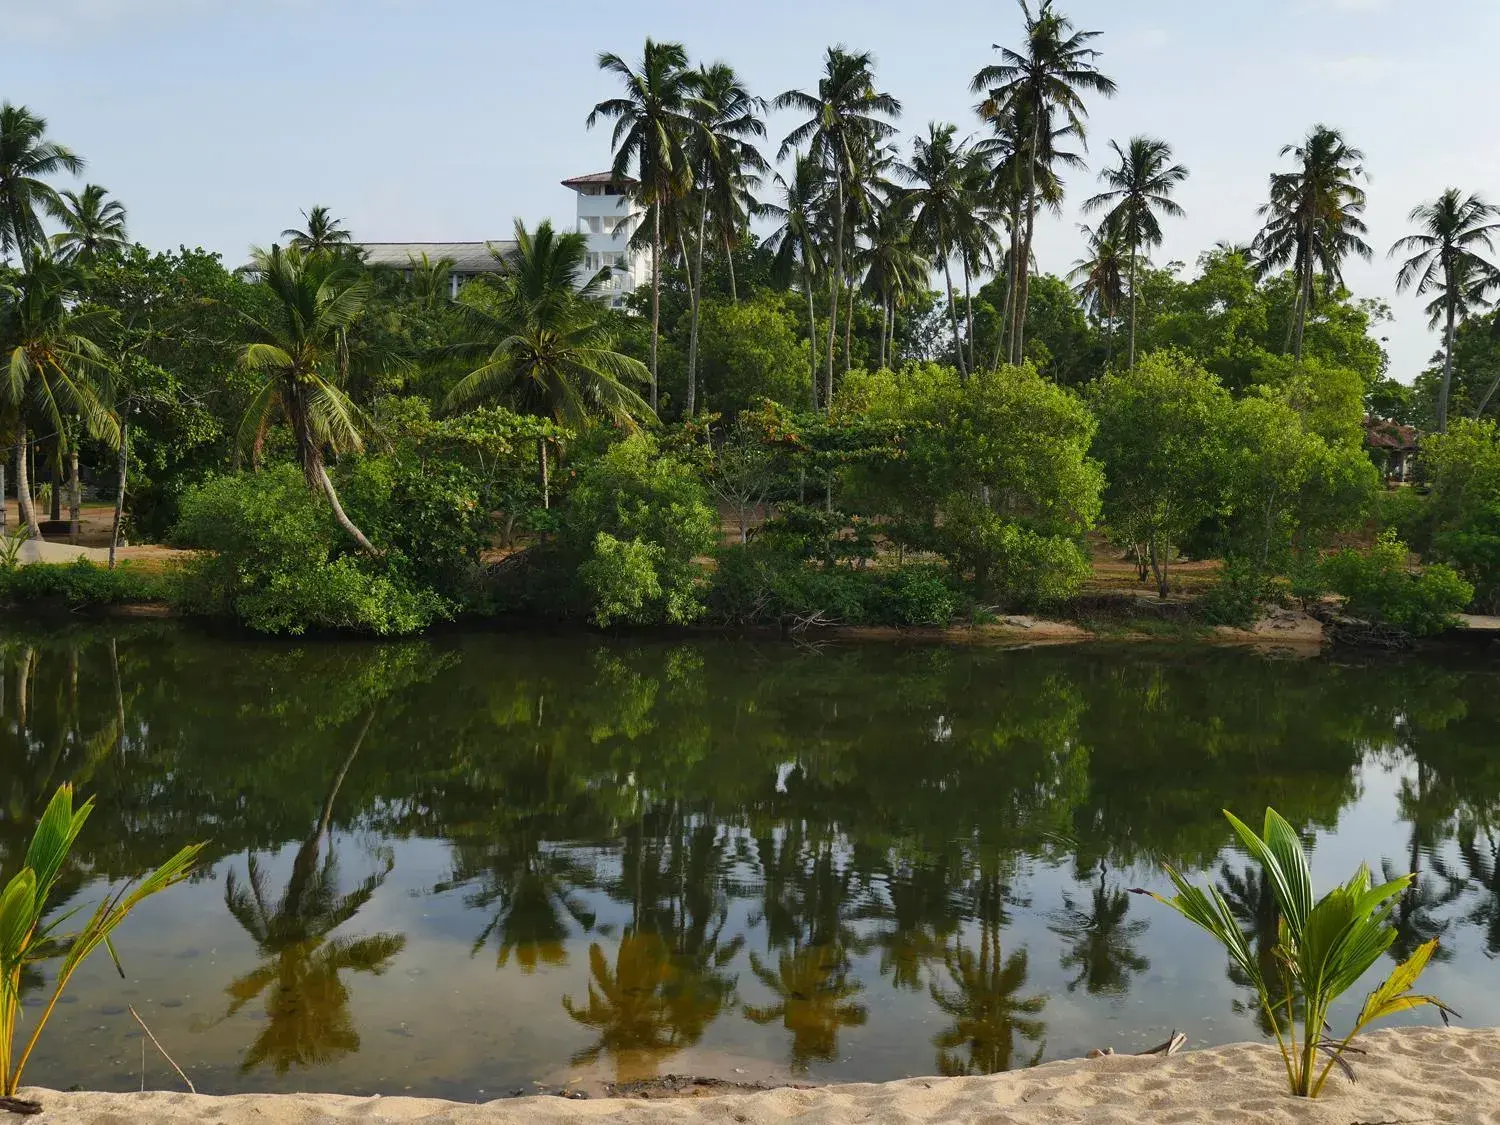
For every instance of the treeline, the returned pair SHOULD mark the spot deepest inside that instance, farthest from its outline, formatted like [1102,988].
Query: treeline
[349,447]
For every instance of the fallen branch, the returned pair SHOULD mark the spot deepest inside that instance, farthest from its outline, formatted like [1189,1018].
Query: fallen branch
[163,1050]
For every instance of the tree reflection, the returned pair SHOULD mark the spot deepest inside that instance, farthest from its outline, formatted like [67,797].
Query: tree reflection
[1098,939]
[814,990]
[307,1001]
[1480,854]
[988,1014]
[648,1005]
[1253,904]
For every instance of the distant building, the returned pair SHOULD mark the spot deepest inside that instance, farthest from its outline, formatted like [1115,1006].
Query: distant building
[1392,446]
[607,217]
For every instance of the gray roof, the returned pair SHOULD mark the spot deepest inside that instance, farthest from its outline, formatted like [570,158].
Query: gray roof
[467,257]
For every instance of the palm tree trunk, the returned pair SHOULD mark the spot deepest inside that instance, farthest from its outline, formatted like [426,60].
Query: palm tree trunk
[953,312]
[543,473]
[655,292]
[734,291]
[338,513]
[849,330]
[1023,266]
[1446,388]
[1132,307]
[75,497]
[695,292]
[835,283]
[969,311]
[812,333]
[885,324]
[23,486]
[1304,301]
[4,512]
[55,471]
[123,468]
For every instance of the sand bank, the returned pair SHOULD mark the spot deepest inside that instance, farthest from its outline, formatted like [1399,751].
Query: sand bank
[1415,1075]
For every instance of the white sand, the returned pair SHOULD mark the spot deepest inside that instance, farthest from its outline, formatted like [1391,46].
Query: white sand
[1408,1076]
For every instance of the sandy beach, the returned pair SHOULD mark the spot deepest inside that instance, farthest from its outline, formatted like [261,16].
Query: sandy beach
[1409,1075]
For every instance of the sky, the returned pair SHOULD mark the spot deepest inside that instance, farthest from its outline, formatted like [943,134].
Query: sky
[217,122]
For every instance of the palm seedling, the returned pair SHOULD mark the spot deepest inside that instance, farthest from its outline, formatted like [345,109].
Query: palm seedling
[27,937]
[1323,947]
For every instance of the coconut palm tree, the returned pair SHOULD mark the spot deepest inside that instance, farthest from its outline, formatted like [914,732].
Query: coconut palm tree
[54,368]
[1026,92]
[26,156]
[1099,278]
[546,340]
[978,241]
[797,243]
[1139,191]
[322,233]
[652,122]
[722,153]
[300,353]
[939,202]
[845,115]
[1446,261]
[1313,218]
[894,267]
[93,224]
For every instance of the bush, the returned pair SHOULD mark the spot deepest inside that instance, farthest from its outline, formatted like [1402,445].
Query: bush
[641,515]
[1473,547]
[1380,588]
[757,585]
[1235,599]
[81,583]
[270,558]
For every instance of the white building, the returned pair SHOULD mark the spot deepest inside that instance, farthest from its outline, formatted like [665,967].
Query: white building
[607,217]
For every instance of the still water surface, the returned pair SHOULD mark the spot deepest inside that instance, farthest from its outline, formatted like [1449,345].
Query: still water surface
[460,866]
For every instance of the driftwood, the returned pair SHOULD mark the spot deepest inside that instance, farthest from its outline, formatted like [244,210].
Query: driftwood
[21,1106]
[1174,1043]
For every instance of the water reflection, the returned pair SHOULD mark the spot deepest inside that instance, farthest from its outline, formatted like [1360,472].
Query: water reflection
[854,864]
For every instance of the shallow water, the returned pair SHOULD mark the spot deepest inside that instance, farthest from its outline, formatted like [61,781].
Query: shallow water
[461,866]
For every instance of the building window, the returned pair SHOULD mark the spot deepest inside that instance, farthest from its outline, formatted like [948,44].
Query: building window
[596,224]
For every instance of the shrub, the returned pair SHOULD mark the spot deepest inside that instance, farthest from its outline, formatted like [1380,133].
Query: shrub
[1236,596]
[270,558]
[636,512]
[1322,948]
[1473,547]
[81,583]
[757,585]
[1380,588]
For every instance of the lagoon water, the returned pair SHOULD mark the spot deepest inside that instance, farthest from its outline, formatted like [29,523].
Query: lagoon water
[464,865]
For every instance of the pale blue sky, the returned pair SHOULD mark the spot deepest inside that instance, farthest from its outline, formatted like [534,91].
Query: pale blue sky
[217,121]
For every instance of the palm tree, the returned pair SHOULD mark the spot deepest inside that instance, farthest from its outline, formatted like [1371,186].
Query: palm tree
[1025,91]
[652,121]
[1100,278]
[722,153]
[1100,941]
[308,1006]
[797,242]
[54,368]
[93,224]
[25,157]
[300,352]
[546,339]
[939,202]
[322,233]
[978,243]
[1313,218]
[1446,262]
[846,114]
[1139,188]
[894,267]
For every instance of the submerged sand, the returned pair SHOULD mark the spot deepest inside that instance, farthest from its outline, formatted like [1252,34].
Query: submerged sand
[1409,1075]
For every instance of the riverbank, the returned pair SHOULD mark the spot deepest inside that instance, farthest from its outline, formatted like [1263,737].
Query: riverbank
[1408,1075]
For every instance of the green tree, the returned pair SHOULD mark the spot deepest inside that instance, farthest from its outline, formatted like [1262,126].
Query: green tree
[1140,188]
[299,354]
[1099,278]
[652,121]
[750,352]
[846,116]
[26,158]
[940,202]
[894,269]
[55,369]
[1161,439]
[321,233]
[1446,262]
[93,225]
[1029,89]
[796,242]
[1313,218]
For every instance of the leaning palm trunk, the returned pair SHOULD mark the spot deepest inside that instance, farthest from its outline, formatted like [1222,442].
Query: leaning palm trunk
[338,512]
[969,311]
[23,486]
[690,400]
[734,291]
[697,283]
[849,330]
[123,468]
[1304,303]
[812,333]
[543,481]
